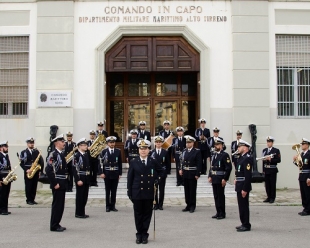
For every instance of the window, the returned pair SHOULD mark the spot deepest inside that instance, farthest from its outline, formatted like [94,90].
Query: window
[293,76]
[14,66]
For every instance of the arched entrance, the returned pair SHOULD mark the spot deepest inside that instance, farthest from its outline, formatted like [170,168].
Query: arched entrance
[151,79]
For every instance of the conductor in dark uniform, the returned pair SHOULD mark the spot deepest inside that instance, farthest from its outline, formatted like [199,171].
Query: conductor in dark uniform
[218,175]
[101,130]
[270,169]
[69,146]
[179,144]
[110,169]
[5,167]
[143,134]
[92,161]
[165,133]
[56,171]
[243,184]
[131,148]
[234,148]
[81,172]
[161,156]
[27,158]
[202,134]
[190,170]
[304,177]
[143,173]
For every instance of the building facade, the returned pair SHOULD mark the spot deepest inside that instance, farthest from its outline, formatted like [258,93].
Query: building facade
[235,63]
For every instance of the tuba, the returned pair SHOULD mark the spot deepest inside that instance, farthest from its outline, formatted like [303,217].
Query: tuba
[298,160]
[34,167]
[10,177]
[69,157]
[99,144]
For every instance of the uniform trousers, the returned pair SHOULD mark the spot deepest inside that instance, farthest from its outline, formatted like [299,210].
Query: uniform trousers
[81,199]
[31,186]
[244,210]
[219,199]
[143,210]
[110,192]
[58,206]
[305,195]
[161,188]
[270,185]
[190,190]
[4,197]
[204,154]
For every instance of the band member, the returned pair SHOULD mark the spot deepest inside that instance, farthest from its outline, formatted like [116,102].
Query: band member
[190,170]
[202,134]
[218,175]
[110,170]
[56,170]
[270,169]
[100,129]
[243,185]
[131,148]
[304,176]
[165,133]
[5,167]
[143,134]
[234,148]
[92,161]
[69,146]
[179,144]
[27,158]
[81,171]
[161,156]
[143,173]
[211,140]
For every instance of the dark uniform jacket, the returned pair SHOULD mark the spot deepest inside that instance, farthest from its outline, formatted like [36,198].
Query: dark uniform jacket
[81,171]
[191,163]
[269,166]
[162,159]
[165,134]
[69,148]
[105,133]
[26,159]
[306,166]
[220,167]
[177,148]
[244,170]
[141,178]
[110,164]
[146,135]
[5,165]
[202,144]
[131,148]
[56,169]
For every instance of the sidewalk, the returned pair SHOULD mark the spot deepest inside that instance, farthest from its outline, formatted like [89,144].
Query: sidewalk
[285,197]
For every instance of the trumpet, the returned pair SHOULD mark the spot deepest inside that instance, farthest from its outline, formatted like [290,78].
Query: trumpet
[235,153]
[298,160]
[267,156]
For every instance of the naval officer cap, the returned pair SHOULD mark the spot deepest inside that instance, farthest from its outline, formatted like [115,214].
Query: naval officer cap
[142,143]
[134,131]
[243,143]
[92,132]
[111,139]
[202,120]
[166,122]
[159,138]
[101,123]
[69,134]
[216,129]
[30,140]
[142,123]
[270,139]
[179,129]
[4,143]
[189,139]
[305,141]
[219,141]
[239,132]
[81,142]
[59,138]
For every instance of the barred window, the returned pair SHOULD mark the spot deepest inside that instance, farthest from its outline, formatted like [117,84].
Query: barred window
[14,67]
[293,75]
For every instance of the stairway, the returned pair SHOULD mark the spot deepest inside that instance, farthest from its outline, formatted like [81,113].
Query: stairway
[204,188]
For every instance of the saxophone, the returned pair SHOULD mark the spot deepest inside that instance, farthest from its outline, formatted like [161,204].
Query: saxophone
[69,157]
[34,167]
[99,144]
[10,177]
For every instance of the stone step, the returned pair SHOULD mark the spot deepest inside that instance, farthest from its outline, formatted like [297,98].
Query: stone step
[204,188]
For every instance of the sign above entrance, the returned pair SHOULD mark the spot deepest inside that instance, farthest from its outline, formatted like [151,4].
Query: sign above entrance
[54,98]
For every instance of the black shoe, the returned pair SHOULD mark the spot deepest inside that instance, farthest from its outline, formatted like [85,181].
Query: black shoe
[30,203]
[238,227]
[271,201]
[5,213]
[114,209]
[304,213]
[178,184]
[220,217]
[34,202]
[185,210]
[138,241]
[59,229]
[243,229]
[267,200]
[63,227]
[144,241]
[107,210]
[161,208]
[82,216]
[155,207]
[215,216]
[192,211]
